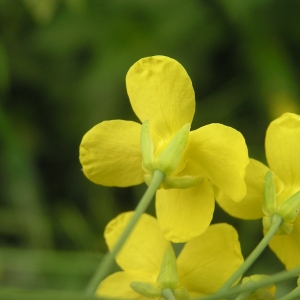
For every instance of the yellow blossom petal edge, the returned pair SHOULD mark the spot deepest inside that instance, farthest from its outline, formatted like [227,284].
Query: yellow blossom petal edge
[110,154]
[160,90]
[117,285]
[185,213]
[146,240]
[287,247]
[220,153]
[214,254]
[283,148]
[251,206]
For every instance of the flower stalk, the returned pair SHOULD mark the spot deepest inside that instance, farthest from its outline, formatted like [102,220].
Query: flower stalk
[276,222]
[106,263]
[237,290]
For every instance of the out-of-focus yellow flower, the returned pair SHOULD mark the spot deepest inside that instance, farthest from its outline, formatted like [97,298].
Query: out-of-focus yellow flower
[162,97]
[282,146]
[203,266]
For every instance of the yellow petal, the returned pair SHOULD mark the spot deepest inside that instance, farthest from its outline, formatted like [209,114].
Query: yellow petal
[117,285]
[185,213]
[161,91]
[110,154]
[251,206]
[283,149]
[287,247]
[145,247]
[219,153]
[207,261]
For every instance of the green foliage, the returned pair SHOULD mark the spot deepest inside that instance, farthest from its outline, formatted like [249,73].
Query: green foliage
[62,70]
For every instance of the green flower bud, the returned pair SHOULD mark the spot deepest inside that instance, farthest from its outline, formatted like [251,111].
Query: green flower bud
[269,202]
[168,276]
[146,289]
[168,161]
[147,148]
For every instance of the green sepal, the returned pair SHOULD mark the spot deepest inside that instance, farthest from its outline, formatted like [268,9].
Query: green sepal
[168,276]
[168,161]
[285,228]
[181,293]
[147,148]
[261,294]
[181,182]
[269,202]
[264,293]
[289,209]
[267,222]
[148,178]
[146,289]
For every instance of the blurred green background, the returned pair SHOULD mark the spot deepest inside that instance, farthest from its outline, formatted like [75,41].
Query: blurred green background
[62,70]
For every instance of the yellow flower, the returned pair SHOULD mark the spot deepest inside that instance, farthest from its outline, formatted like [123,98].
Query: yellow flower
[203,265]
[162,97]
[282,147]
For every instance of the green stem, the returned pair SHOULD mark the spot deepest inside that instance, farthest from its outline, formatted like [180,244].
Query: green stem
[168,294]
[294,294]
[237,290]
[276,222]
[108,260]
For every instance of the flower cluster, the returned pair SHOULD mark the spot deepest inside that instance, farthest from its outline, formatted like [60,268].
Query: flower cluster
[282,146]
[202,267]
[196,168]
[161,93]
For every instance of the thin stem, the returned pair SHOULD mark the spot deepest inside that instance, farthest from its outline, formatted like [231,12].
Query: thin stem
[108,260]
[276,222]
[168,294]
[237,290]
[294,294]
